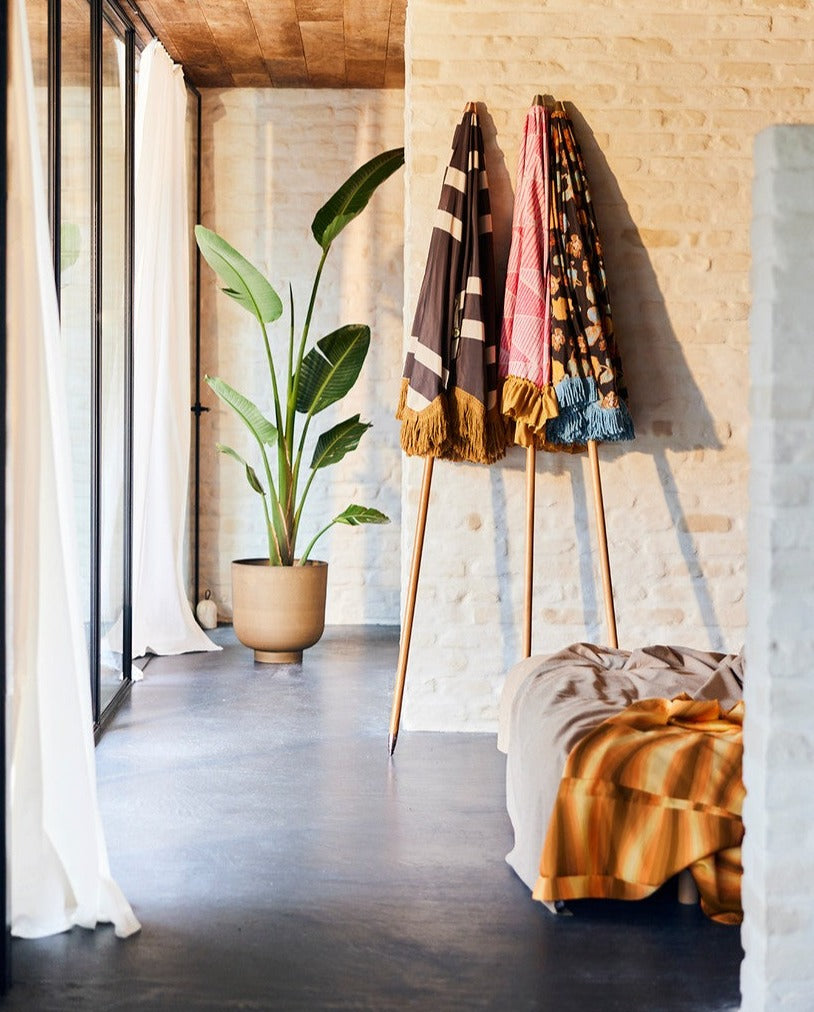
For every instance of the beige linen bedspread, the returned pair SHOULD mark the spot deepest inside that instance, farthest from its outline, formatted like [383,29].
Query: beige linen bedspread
[549,703]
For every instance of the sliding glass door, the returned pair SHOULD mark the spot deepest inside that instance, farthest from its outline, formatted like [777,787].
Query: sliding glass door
[114,367]
[75,268]
[85,57]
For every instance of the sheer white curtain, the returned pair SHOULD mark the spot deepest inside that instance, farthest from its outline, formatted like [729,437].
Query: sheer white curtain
[60,874]
[162,618]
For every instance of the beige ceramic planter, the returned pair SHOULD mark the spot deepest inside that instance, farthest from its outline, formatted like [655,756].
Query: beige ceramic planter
[278,611]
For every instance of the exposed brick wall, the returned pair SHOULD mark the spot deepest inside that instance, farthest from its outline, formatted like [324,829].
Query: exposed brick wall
[778,852]
[667,100]
[270,159]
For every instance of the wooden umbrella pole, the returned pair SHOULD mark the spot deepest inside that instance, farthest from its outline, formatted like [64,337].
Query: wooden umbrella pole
[531,474]
[602,539]
[409,611]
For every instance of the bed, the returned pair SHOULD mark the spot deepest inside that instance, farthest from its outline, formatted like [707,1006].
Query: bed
[551,704]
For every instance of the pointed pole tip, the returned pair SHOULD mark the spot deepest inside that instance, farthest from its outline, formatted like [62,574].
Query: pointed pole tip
[392,738]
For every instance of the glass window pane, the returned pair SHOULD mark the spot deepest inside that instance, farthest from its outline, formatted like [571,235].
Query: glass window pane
[75,269]
[113,361]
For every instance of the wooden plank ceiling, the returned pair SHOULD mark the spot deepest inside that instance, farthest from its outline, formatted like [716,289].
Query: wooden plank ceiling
[284,43]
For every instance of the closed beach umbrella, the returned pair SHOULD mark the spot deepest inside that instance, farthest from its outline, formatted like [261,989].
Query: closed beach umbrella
[448,406]
[561,375]
[527,396]
[586,371]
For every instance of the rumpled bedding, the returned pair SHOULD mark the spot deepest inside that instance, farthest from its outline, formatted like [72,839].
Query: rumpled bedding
[550,703]
[653,790]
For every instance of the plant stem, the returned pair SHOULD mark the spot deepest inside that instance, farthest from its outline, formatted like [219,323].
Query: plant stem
[278,417]
[292,404]
[303,497]
[290,484]
[275,502]
[290,378]
[274,548]
[283,463]
[313,541]
[298,461]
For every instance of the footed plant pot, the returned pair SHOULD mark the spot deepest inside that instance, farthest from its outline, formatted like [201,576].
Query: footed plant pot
[278,611]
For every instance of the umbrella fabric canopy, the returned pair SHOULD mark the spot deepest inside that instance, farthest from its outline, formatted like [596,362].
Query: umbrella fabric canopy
[582,366]
[585,366]
[448,406]
[527,397]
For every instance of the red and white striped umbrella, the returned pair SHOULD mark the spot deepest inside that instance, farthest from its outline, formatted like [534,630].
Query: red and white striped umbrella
[528,399]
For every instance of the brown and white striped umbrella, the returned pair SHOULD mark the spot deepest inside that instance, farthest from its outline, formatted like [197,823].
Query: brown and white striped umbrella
[448,406]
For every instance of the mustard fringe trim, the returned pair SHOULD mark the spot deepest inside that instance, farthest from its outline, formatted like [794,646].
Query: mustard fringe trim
[521,435]
[525,402]
[526,409]
[452,428]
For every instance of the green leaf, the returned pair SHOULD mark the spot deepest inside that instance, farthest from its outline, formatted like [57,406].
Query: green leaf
[334,444]
[250,414]
[244,282]
[355,515]
[251,474]
[331,368]
[353,195]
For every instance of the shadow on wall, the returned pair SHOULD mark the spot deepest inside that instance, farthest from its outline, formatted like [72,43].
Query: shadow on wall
[667,405]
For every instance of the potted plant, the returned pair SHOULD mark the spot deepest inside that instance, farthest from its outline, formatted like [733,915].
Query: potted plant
[279,601]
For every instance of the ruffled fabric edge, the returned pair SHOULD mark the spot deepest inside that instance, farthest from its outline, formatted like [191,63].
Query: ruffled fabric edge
[528,405]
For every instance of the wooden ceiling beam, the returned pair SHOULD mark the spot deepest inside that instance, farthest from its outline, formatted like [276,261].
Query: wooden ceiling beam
[232,28]
[319,10]
[196,50]
[283,43]
[187,12]
[394,70]
[277,29]
[324,45]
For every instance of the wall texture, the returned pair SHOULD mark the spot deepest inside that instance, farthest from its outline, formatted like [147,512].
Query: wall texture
[270,159]
[666,101]
[778,851]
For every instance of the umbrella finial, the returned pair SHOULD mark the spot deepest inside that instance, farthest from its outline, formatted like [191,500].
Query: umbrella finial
[471,107]
[538,100]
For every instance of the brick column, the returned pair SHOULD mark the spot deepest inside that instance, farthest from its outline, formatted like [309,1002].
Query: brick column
[778,853]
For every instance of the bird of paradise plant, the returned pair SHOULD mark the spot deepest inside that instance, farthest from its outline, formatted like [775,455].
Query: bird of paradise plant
[313,378]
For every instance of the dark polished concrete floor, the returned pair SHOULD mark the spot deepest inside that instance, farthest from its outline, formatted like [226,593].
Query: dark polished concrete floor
[278,860]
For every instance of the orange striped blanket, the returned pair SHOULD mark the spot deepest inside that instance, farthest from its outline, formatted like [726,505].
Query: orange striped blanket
[652,790]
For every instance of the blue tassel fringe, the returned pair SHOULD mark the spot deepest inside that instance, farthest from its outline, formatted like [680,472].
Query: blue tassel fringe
[574,390]
[582,418]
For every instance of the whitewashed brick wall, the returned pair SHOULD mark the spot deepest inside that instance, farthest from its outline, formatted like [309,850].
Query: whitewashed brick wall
[778,851]
[270,159]
[667,100]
